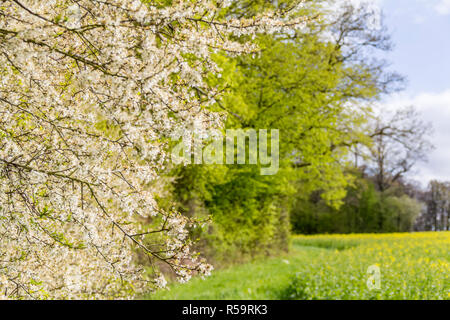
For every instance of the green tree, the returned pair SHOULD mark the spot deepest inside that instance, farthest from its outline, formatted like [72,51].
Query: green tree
[313,89]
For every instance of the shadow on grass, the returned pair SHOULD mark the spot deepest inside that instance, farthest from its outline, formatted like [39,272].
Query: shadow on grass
[326,244]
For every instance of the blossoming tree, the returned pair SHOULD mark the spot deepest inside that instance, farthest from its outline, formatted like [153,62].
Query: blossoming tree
[89,92]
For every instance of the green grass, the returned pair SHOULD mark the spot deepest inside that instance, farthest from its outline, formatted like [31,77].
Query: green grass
[413,266]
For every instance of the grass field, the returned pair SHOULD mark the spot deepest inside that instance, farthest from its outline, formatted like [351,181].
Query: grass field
[412,266]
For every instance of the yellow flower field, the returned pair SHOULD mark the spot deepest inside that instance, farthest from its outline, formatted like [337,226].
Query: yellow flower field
[411,266]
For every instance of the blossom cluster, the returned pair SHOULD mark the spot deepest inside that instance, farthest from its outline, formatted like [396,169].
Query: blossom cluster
[89,92]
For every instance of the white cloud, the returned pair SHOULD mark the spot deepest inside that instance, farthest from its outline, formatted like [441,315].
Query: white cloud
[435,108]
[443,7]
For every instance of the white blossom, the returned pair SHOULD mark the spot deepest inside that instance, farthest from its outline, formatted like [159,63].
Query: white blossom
[88,94]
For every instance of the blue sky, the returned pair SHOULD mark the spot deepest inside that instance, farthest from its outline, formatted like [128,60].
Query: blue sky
[421,33]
